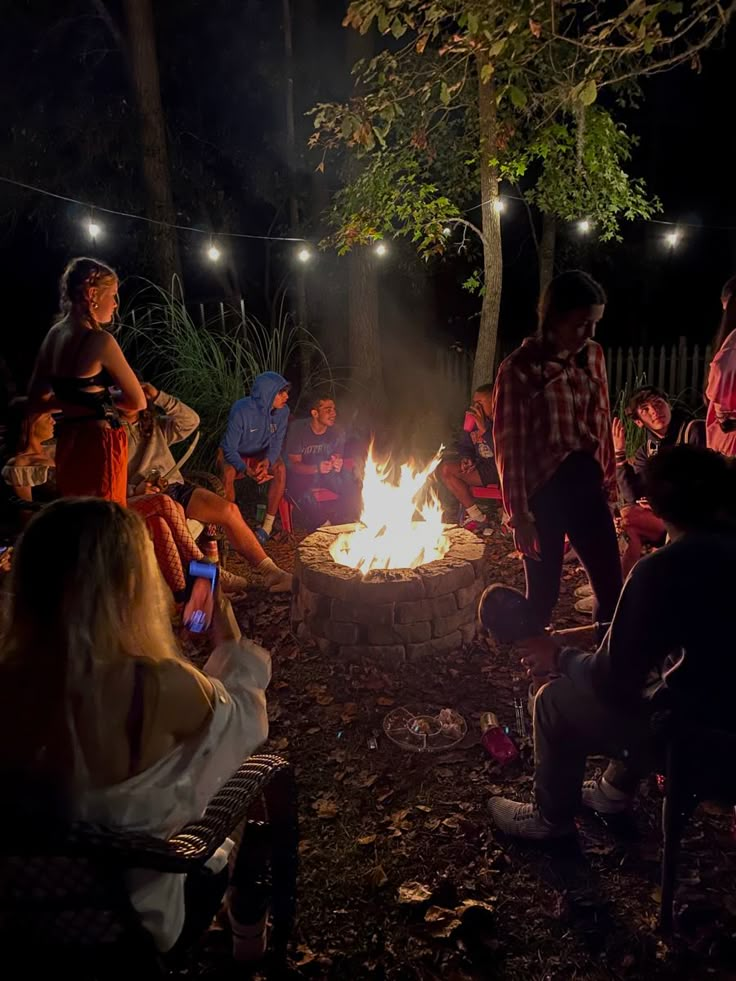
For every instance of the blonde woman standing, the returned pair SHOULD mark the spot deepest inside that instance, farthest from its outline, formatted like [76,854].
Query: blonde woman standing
[78,365]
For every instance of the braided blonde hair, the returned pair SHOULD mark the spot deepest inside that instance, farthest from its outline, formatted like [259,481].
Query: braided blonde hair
[80,275]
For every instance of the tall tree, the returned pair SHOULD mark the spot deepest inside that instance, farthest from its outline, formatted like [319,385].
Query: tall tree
[154,148]
[441,109]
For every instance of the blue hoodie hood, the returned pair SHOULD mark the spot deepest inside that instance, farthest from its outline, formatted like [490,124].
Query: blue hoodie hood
[254,426]
[266,387]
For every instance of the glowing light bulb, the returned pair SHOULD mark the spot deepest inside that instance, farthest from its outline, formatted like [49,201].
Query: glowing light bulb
[94,230]
[381,249]
[584,226]
[447,231]
[304,255]
[672,239]
[499,206]
[213,253]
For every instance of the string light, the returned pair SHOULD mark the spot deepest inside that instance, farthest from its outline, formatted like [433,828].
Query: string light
[304,255]
[584,226]
[447,231]
[94,230]
[381,249]
[672,239]
[499,206]
[213,253]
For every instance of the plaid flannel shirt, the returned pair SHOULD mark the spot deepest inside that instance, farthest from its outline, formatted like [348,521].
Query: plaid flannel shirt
[545,408]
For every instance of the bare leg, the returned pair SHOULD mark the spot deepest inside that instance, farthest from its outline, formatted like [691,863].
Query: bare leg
[208,508]
[459,483]
[276,487]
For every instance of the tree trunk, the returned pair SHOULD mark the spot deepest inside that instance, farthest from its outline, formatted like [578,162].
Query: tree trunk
[364,337]
[301,313]
[364,349]
[547,251]
[156,171]
[486,350]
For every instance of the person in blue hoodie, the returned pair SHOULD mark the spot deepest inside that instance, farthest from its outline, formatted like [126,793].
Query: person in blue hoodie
[252,443]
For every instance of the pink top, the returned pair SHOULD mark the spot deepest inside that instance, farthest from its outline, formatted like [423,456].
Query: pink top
[721,395]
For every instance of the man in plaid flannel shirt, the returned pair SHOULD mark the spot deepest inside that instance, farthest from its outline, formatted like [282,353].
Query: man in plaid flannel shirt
[554,453]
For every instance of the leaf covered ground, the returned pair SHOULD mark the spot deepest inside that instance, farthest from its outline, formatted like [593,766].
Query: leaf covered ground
[402,876]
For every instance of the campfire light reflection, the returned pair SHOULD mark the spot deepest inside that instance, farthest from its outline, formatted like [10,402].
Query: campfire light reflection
[389,535]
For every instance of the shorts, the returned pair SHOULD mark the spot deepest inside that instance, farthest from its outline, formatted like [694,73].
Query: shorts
[181,493]
[487,471]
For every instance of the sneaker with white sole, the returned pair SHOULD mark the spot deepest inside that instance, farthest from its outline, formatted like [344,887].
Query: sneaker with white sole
[232,584]
[596,799]
[481,528]
[585,605]
[582,591]
[526,821]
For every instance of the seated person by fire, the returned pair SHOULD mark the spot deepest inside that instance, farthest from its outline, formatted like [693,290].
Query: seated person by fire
[319,480]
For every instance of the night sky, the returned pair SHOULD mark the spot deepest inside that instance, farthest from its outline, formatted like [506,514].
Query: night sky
[68,115]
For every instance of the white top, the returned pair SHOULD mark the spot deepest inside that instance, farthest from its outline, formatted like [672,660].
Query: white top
[27,475]
[177,789]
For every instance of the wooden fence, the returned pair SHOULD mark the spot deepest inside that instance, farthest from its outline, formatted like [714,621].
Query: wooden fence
[678,369]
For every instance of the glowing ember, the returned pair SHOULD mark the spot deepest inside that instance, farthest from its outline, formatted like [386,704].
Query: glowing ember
[392,537]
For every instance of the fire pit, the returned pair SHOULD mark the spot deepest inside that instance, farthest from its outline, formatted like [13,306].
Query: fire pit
[390,586]
[387,613]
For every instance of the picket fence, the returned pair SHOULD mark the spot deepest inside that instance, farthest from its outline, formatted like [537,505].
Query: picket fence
[678,369]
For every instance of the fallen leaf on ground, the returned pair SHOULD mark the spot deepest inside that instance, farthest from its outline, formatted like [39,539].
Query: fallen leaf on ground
[384,700]
[326,809]
[366,780]
[443,922]
[366,840]
[413,892]
[377,877]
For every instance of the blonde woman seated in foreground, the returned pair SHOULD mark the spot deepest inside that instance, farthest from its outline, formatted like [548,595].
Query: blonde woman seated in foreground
[101,717]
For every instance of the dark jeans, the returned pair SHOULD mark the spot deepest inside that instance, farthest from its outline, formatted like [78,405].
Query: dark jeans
[573,503]
[570,724]
[345,509]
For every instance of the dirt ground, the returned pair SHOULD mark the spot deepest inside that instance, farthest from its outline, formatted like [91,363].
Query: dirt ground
[402,876]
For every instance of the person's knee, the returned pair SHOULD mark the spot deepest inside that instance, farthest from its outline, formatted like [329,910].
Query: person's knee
[447,470]
[551,702]
[278,469]
[230,513]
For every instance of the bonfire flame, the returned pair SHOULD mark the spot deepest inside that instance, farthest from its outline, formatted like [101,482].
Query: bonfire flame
[402,525]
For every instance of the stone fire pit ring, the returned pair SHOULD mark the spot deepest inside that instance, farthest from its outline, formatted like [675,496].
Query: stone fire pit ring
[390,614]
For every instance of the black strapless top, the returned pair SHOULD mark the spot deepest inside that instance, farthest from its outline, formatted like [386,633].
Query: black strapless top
[73,391]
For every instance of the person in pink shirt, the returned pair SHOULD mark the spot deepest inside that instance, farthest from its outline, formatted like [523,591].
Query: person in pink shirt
[720,391]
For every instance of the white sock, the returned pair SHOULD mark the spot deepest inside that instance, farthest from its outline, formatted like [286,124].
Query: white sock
[268,523]
[269,570]
[475,513]
[613,793]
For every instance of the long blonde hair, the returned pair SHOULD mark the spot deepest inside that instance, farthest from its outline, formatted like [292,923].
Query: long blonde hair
[86,596]
[78,277]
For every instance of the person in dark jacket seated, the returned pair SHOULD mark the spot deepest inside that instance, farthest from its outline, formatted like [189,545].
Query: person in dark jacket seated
[315,455]
[651,410]
[473,465]
[669,647]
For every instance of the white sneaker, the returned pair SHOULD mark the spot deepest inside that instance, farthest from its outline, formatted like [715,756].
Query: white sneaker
[526,821]
[585,590]
[596,799]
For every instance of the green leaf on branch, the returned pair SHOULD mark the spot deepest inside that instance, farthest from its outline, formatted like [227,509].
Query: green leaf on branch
[517,96]
[589,93]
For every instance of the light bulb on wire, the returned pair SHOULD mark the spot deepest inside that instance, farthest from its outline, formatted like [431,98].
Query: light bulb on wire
[304,255]
[381,249]
[213,253]
[94,230]
[499,206]
[447,231]
[584,226]
[672,239]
